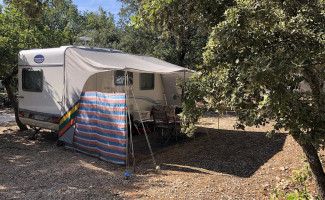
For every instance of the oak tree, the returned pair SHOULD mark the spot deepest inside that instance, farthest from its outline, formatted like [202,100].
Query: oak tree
[265,60]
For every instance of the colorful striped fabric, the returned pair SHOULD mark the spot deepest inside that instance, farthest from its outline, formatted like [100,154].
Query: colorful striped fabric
[68,119]
[101,126]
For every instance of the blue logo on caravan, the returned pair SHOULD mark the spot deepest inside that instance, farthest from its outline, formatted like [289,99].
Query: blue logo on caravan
[39,58]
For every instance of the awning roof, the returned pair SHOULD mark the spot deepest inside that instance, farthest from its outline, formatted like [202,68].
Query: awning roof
[114,59]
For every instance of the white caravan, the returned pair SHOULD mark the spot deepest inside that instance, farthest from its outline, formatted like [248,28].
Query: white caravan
[51,81]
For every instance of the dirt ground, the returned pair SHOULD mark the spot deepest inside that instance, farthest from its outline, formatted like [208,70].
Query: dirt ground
[220,164]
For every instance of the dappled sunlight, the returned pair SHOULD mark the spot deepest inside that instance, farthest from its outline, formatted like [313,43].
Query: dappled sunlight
[229,156]
[227,122]
[93,167]
[41,169]
[215,151]
[184,168]
[238,153]
[13,159]
[3,187]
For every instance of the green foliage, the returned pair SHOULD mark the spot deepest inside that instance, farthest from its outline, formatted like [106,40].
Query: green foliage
[101,28]
[128,9]
[61,22]
[176,21]
[172,16]
[30,9]
[297,185]
[133,19]
[140,40]
[191,110]
[263,59]
[54,25]
[15,33]
[258,57]
[154,41]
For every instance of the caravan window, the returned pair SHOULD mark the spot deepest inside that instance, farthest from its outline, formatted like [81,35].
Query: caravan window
[119,78]
[32,80]
[147,81]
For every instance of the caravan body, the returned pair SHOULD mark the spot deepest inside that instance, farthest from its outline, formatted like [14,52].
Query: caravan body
[51,80]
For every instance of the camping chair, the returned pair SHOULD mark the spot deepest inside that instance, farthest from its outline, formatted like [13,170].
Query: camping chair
[161,122]
[173,116]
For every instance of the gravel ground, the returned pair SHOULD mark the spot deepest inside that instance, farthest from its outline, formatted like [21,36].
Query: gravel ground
[220,164]
[7,115]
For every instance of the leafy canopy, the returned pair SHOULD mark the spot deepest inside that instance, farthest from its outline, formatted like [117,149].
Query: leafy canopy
[266,60]
[15,34]
[21,27]
[101,28]
[185,22]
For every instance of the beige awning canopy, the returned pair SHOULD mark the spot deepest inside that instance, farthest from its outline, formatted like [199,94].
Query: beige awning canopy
[118,60]
[81,63]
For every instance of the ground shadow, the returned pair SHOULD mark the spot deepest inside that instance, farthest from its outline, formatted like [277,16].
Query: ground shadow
[40,170]
[238,153]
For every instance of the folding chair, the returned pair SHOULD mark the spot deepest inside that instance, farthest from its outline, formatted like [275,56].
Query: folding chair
[161,122]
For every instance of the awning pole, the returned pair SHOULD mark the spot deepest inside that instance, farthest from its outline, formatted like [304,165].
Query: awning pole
[127,132]
[130,122]
[144,130]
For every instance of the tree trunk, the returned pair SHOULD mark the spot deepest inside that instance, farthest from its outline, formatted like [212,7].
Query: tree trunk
[315,166]
[14,104]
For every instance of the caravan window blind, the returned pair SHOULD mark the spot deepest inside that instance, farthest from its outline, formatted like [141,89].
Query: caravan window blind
[32,80]
[119,78]
[147,81]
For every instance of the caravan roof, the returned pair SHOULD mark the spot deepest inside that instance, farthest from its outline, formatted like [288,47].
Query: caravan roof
[101,58]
